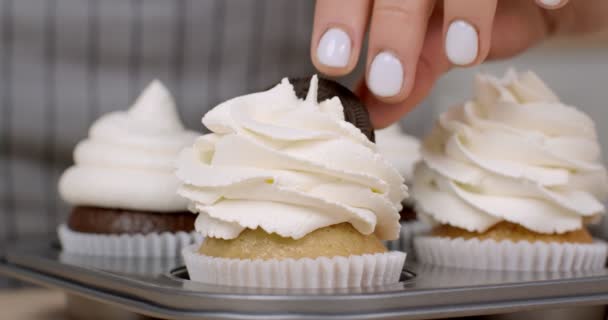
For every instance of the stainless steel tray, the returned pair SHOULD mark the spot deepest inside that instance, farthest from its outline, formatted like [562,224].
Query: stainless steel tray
[160,288]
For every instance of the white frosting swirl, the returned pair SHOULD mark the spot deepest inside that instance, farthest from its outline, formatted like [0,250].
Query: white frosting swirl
[288,166]
[127,161]
[515,153]
[400,149]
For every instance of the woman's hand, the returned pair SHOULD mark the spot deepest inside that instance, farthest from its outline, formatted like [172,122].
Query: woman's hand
[413,42]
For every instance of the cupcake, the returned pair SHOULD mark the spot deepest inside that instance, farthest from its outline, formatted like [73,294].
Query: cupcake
[289,194]
[122,186]
[510,179]
[403,152]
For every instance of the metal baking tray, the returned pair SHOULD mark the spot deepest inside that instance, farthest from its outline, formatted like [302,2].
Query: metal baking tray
[160,288]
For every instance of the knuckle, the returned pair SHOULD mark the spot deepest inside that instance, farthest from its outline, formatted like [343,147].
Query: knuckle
[403,9]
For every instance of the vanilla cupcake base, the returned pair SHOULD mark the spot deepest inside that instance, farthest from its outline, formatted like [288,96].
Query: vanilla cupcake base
[508,255]
[337,272]
[165,244]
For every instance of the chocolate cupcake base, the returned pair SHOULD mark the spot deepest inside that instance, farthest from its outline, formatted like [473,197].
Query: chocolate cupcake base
[97,220]
[97,231]
[407,214]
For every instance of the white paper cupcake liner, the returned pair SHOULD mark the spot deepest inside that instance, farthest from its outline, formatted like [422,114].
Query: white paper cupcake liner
[337,272]
[508,255]
[126,265]
[165,244]
[408,231]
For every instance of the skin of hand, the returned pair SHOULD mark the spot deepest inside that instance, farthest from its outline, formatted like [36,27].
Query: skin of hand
[413,42]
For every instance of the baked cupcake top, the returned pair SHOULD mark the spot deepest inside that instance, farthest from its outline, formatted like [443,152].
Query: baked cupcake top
[127,161]
[288,166]
[514,153]
[400,149]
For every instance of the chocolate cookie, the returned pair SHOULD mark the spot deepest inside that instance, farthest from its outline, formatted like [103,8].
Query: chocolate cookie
[118,221]
[355,111]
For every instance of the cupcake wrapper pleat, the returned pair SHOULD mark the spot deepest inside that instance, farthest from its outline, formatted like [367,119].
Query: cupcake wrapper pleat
[508,255]
[149,266]
[164,244]
[337,272]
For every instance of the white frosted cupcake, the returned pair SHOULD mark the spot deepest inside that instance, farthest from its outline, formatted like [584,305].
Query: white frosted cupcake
[400,149]
[403,152]
[122,186]
[511,178]
[290,195]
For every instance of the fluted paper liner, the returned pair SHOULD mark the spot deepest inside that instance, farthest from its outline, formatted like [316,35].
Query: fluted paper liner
[148,266]
[509,255]
[164,244]
[337,272]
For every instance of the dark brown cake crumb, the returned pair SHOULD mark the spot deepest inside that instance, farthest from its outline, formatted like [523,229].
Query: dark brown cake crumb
[408,213]
[117,221]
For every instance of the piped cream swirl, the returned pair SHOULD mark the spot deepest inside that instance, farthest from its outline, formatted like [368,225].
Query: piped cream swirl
[400,149]
[288,166]
[515,153]
[128,160]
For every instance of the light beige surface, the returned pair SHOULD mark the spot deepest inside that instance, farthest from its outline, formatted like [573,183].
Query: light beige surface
[32,304]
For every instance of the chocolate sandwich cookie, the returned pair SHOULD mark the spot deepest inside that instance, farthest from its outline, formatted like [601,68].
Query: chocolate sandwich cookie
[117,221]
[355,111]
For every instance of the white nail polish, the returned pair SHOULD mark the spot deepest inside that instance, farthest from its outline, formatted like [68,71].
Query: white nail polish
[385,77]
[334,48]
[461,43]
[550,3]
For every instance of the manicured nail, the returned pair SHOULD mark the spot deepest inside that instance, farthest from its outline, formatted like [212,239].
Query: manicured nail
[550,3]
[385,77]
[461,43]
[334,48]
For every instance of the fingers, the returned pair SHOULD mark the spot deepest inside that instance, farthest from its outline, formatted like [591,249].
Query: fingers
[520,25]
[337,37]
[468,30]
[431,65]
[551,4]
[396,37]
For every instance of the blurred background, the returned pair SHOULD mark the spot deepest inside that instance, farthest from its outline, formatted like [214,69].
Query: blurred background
[65,62]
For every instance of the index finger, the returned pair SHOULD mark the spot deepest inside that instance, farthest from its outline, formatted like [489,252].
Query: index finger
[337,36]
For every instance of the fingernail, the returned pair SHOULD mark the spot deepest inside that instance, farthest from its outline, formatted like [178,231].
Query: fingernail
[550,3]
[334,48]
[461,43]
[385,77]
